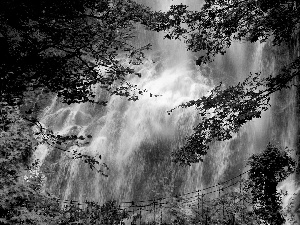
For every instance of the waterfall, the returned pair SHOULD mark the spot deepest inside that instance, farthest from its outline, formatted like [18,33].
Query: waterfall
[135,139]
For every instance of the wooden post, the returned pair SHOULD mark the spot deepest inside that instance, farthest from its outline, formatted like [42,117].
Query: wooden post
[202,207]
[140,215]
[154,210]
[222,203]
[160,212]
[223,211]
[132,204]
[242,198]
[198,201]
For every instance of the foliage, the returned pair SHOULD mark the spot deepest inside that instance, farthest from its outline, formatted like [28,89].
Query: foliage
[20,202]
[228,208]
[211,31]
[218,23]
[67,47]
[256,202]
[16,145]
[22,197]
[65,143]
[224,111]
[64,48]
[268,169]
[108,213]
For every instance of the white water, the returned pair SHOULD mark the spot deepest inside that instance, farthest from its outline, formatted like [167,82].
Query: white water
[135,138]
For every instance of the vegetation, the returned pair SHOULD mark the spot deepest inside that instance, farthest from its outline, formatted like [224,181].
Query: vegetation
[20,202]
[69,47]
[218,23]
[211,31]
[64,48]
[255,200]
[268,169]
[226,110]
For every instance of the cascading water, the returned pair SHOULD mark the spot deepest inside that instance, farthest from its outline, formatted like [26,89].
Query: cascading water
[135,139]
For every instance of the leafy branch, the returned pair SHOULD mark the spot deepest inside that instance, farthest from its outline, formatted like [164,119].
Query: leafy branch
[224,111]
[46,136]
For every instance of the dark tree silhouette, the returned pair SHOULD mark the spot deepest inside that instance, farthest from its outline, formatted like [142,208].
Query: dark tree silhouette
[212,29]
[226,110]
[67,48]
[63,48]
[268,169]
